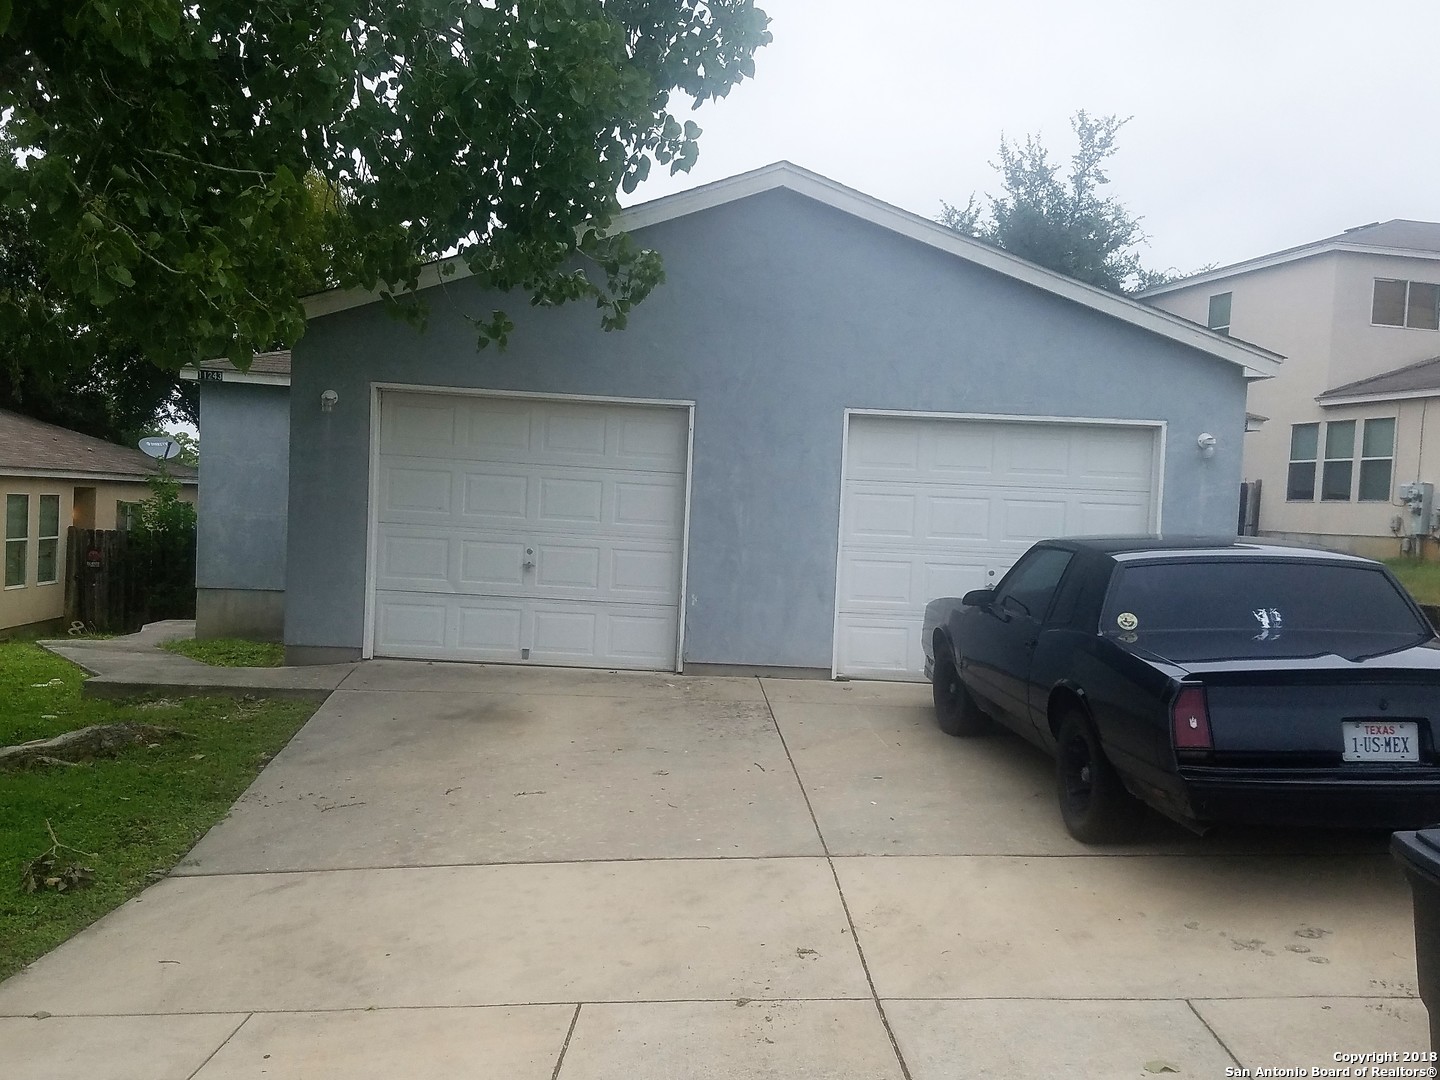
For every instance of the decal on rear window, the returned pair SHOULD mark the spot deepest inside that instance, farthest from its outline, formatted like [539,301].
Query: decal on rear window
[1126,621]
[1269,618]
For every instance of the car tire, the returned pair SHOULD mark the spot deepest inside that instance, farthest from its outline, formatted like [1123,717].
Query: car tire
[1094,804]
[955,709]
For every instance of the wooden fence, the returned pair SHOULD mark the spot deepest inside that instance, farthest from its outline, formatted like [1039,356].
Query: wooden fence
[117,581]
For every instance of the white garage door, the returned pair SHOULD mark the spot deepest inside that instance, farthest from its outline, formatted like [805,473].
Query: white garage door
[936,507]
[521,530]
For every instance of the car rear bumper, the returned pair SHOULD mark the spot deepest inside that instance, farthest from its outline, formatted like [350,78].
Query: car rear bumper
[1324,799]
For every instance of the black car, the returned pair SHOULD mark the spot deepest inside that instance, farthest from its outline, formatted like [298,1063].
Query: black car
[1217,680]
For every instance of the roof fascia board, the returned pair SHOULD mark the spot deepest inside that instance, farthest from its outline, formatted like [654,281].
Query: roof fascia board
[1257,362]
[1264,262]
[254,378]
[1367,399]
[75,474]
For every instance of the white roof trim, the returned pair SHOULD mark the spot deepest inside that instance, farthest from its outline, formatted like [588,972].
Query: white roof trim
[1366,399]
[108,477]
[191,374]
[1264,262]
[1257,362]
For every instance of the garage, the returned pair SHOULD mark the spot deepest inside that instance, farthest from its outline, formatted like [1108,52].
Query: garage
[938,505]
[531,530]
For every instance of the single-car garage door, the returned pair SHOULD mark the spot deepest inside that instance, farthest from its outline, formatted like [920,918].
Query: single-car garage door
[525,530]
[935,507]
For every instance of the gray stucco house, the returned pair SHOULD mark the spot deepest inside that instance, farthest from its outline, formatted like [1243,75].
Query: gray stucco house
[830,412]
[244,492]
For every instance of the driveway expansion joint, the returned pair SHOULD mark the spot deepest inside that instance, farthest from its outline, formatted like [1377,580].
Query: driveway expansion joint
[840,892]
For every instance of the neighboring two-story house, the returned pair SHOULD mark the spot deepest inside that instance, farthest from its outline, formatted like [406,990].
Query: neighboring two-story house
[1345,426]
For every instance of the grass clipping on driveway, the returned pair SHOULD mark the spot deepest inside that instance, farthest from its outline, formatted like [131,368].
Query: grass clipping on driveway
[120,822]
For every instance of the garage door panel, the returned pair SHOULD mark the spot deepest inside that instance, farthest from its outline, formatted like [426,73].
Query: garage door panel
[937,506]
[570,501]
[876,513]
[405,621]
[496,496]
[492,627]
[1092,517]
[415,493]
[1025,521]
[414,558]
[958,518]
[565,539]
[491,564]
[495,431]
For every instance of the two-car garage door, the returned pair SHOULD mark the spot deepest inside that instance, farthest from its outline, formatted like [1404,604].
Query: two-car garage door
[515,529]
[553,531]
[935,507]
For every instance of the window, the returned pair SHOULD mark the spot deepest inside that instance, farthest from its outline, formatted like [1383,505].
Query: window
[47,554]
[1304,449]
[17,539]
[1339,461]
[1219,318]
[1031,583]
[1415,304]
[127,515]
[1377,459]
[1209,610]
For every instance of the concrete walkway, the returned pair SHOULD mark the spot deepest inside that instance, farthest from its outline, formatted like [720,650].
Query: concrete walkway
[529,874]
[136,666]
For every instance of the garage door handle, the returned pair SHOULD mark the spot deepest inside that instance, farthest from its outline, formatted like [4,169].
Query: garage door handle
[529,558]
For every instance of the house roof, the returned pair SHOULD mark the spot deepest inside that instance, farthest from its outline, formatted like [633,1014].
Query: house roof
[1257,362]
[266,369]
[1399,236]
[31,447]
[1420,379]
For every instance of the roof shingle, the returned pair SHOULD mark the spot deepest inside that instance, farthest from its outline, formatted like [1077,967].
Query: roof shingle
[1421,375]
[31,445]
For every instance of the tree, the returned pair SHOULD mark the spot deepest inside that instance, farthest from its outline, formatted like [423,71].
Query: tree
[164,149]
[1061,222]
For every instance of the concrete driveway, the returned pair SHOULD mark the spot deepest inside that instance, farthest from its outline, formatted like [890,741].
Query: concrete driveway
[548,875]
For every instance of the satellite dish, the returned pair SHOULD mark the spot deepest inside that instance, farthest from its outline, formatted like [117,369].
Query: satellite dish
[160,447]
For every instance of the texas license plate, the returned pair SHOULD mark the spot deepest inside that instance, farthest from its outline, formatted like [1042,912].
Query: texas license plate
[1381,740]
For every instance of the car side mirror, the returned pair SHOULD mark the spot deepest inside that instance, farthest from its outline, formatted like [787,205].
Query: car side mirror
[978,598]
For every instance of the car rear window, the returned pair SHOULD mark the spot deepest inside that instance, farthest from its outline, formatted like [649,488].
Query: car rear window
[1264,599]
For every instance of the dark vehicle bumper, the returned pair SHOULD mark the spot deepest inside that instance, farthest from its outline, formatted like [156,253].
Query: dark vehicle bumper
[1324,799]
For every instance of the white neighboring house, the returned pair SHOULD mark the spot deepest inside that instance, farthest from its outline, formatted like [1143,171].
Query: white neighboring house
[1343,429]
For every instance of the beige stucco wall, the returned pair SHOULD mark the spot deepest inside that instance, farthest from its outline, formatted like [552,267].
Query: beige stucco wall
[35,602]
[1316,313]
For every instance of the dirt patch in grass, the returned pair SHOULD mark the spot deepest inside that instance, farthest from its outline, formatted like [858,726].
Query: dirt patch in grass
[229,652]
[128,819]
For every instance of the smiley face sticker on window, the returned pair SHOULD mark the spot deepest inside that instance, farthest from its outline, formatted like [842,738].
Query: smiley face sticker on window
[1126,621]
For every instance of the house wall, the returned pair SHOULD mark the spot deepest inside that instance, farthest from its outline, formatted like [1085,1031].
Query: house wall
[244,482]
[777,313]
[89,504]
[1316,313]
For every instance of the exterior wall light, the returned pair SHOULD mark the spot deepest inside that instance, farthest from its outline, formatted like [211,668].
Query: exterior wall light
[1206,443]
[328,400]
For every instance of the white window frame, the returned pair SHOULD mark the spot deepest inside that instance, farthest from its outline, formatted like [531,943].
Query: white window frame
[1218,327]
[1326,460]
[1404,323]
[1390,457]
[1313,462]
[23,541]
[41,538]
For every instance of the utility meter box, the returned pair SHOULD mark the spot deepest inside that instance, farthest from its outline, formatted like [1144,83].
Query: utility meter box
[1419,499]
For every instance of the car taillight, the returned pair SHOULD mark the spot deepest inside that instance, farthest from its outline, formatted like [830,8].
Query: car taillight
[1190,719]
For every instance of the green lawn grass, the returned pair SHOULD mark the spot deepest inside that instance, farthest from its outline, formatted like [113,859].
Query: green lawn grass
[229,652]
[1420,577]
[136,815]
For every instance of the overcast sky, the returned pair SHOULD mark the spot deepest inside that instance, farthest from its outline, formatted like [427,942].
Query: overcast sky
[1256,126]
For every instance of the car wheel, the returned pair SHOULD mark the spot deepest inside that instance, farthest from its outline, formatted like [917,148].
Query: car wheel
[955,709]
[1094,804]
